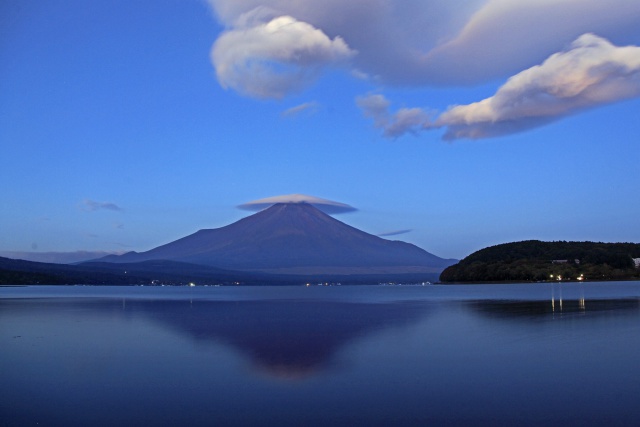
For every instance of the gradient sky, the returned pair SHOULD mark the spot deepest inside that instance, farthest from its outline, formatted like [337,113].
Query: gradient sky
[128,124]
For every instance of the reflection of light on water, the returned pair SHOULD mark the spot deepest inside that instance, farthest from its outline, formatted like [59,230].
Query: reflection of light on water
[581,300]
[553,298]
[560,292]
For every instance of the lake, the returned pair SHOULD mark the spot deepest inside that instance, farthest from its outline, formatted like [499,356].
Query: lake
[517,354]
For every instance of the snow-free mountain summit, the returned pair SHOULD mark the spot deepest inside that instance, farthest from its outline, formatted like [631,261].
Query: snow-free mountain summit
[293,238]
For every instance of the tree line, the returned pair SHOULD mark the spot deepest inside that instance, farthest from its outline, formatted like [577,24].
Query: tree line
[534,260]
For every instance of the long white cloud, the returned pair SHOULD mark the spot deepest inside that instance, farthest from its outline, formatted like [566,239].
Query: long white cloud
[590,73]
[309,107]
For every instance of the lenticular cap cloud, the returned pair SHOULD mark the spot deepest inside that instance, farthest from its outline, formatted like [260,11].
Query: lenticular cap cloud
[326,206]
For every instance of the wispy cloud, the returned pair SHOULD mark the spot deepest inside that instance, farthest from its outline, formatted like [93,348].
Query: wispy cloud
[307,107]
[590,73]
[393,125]
[92,206]
[395,233]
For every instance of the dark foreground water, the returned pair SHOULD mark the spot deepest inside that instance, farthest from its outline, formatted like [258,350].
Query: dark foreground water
[537,354]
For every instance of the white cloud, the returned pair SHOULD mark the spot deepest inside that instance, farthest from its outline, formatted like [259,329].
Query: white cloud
[308,107]
[275,58]
[592,72]
[92,205]
[376,107]
[405,120]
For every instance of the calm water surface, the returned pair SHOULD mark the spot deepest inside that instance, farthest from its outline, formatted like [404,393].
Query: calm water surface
[535,354]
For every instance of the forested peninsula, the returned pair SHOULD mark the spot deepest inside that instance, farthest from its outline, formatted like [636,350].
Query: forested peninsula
[534,261]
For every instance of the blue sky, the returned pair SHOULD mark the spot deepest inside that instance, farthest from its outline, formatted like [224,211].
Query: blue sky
[118,131]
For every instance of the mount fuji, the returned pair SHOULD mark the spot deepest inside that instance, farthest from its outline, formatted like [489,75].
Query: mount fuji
[293,239]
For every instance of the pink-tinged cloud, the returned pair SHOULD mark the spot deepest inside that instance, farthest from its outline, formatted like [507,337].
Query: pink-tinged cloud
[590,73]
[505,36]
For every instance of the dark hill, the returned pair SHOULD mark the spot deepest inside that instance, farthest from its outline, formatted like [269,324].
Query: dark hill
[534,260]
[21,272]
[293,238]
[161,272]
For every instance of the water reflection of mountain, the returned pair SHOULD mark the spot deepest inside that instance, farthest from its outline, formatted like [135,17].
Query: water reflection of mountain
[554,306]
[288,339]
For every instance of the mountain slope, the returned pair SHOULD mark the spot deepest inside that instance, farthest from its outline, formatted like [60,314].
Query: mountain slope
[296,238]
